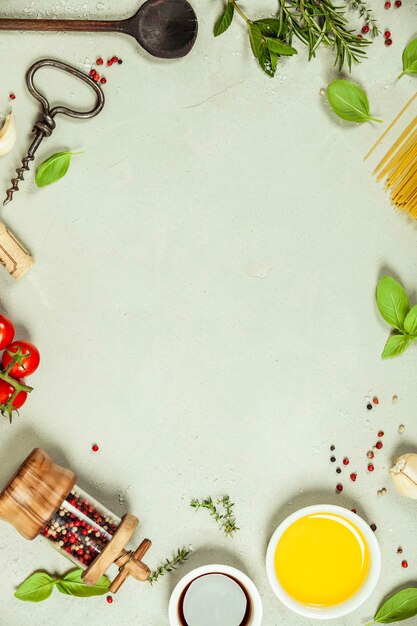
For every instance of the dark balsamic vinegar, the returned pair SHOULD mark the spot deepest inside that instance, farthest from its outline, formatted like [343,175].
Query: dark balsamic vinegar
[248,612]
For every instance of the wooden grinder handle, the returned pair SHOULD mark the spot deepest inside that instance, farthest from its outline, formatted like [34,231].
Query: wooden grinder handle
[131,565]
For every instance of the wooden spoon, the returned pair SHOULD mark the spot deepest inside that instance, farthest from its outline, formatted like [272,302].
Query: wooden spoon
[165,28]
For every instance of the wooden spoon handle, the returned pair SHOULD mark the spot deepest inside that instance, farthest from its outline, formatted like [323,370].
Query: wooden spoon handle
[60,25]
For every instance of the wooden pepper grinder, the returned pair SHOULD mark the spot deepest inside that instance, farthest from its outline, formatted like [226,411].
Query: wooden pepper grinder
[42,498]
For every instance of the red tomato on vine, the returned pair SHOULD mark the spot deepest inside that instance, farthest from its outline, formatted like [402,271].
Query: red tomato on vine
[27,365]
[6,392]
[6,332]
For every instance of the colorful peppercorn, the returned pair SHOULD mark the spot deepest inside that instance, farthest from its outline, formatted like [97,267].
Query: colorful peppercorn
[353,477]
[99,61]
[375,399]
[370,467]
[404,564]
[339,488]
[103,80]
[388,42]
[109,600]
[12,96]
[373,527]
[387,34]
[381,433]
[369,406]
[397,4]
[379,445]
[95,447]
[387,5]
[345,461]
[365,28]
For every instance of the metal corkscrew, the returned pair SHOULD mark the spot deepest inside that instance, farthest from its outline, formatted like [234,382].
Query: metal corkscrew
[46,124]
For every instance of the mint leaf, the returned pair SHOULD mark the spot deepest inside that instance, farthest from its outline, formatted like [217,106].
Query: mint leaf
[224,20]
[349,101]
[73,585]
[392,302]
[36,588]
[53,168]
[271,27]
[280,47]
[256,40]
[395,345]
[268,60]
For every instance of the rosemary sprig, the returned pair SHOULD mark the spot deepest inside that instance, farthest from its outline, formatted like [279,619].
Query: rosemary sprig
[169,565]
[227,520]
[315,23]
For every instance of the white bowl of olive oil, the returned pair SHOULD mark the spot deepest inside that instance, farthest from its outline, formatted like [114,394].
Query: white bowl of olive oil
[215,595]
[323,561]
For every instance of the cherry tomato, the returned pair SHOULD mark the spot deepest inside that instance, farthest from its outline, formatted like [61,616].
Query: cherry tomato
[6,332]
[6,392]
[30,362]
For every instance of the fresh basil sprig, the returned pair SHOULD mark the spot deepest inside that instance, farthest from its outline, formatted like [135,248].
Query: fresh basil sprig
[410,59]
[349,101]
[224,20]
[399,607]
[394,306]
[39,586]
[53,168]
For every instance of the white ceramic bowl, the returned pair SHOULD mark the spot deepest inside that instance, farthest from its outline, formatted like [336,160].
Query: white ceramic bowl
[256,618]
[355,601]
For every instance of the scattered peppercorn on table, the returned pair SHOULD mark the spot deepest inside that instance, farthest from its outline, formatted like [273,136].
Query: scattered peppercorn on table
[204,302]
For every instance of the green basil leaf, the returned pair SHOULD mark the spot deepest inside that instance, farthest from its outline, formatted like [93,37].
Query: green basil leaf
[400,606]
[224,20]
[410,59]
[410,322]
[395,345]
[256,40]
[73,585]
[36,588]
[53,168]
[279,47]
[271,27]
[349,101]
[268,61]
[392,302]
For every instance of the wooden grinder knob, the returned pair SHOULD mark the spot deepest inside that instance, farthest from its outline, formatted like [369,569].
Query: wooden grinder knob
[130,564]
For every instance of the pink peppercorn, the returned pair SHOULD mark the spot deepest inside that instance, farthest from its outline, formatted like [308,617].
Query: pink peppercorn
[99,61]
[103,80]
[12,96]
[404,564]
[94,448]
[365,29]
[370,467]
[379,445]
[387,34]
[388,42]
[375,399]
[387,5]
[339,487]
[397,4]
[345,461]
[353,477]
[109,600]
[381,433]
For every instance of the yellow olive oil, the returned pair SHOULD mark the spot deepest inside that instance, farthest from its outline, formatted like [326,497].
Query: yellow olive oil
[322,559]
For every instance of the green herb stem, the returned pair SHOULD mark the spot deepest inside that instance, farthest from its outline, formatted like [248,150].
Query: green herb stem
[181,555]
[241,13]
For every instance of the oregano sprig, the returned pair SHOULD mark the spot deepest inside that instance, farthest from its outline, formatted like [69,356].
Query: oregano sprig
[169,565]
[39,586]
[394,306]
[226,520]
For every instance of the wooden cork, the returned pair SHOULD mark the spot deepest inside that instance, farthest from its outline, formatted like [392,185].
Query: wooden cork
[35,493]
[13,255]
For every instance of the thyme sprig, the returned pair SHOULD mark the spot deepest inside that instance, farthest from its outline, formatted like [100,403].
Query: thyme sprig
[225,520]
[181,555]
[366,13]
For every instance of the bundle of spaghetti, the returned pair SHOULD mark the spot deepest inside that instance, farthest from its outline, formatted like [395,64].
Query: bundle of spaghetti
[399,166]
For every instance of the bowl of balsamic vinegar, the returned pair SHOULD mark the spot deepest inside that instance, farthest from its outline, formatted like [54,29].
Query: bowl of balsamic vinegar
[215,595]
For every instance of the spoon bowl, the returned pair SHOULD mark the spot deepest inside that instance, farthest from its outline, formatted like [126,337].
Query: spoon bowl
[166,29]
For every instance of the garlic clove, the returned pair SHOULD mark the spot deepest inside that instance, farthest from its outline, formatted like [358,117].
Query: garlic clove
[404,475]
[7,134]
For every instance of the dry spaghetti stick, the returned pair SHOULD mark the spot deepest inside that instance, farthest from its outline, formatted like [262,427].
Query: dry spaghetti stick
[395,164]
[385,133]
[407,186]
[396,145]
[397,171]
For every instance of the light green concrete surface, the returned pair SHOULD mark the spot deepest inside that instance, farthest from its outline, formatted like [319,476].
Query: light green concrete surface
[203,302]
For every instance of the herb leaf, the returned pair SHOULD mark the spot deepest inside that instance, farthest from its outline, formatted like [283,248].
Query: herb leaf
[410,322]
[53,168]
[169,565]
[271,27]
[349,101]
[36,588]
[268,60]
[255,38]
[399,607]
[73,585]
[395,345]
[392,302]
[410,59]
[225,520]
[278,46]
[224,20]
